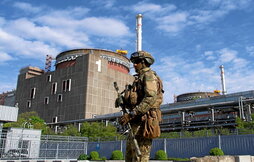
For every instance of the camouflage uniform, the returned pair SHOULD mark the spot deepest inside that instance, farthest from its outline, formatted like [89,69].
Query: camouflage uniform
[149,95]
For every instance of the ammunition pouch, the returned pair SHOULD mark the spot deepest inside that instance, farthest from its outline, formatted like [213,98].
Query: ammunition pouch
[131,96]
[151,122]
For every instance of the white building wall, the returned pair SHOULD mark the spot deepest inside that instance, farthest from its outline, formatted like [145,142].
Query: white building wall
[18,138]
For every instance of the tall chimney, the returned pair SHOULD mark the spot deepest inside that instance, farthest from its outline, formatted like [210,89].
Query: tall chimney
[223,84]
[139,31]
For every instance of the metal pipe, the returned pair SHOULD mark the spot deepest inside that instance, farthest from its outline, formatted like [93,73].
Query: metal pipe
[243,115]
[223,84]
[240,109]
[183,117]
[212,113]
[249,113]
[139,31]
[219,141]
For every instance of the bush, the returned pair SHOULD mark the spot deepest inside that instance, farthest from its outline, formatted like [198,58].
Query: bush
[83,157]
[179,159]
[94,155]
[216,152]
[103,158]
[161,155]
[117,155]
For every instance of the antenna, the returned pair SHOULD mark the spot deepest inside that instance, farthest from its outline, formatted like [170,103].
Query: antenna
[49,59]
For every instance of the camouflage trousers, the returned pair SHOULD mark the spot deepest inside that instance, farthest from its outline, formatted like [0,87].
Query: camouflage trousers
[144,144]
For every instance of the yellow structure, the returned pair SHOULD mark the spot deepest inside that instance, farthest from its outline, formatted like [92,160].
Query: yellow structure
[124,52]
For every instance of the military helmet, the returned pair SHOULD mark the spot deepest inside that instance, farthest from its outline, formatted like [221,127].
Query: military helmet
[142,55]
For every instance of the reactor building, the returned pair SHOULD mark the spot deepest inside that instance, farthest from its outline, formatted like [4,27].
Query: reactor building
[80,87]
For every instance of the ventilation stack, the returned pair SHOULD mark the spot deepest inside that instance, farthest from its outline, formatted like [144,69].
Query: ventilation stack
[223,84]
[139,31]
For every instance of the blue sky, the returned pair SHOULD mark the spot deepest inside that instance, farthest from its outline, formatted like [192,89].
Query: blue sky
[189,39]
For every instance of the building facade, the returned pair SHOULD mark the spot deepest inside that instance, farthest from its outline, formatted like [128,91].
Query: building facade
[81,86]
[8,98]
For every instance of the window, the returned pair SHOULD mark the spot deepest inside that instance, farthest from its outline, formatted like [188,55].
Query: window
[49,78]
[66,86]
[59,98]
[54,88]
[54,120]
[23,144]
[32,95]
[46,100]
[28,105]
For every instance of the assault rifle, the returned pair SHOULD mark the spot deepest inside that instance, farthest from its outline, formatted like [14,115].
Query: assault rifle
[121,104]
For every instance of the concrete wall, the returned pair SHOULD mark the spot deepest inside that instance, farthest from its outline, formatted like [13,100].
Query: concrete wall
[92,92]
[242,158]
[8,113]
[101,94]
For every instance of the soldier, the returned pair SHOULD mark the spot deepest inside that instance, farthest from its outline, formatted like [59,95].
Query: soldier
[143,99]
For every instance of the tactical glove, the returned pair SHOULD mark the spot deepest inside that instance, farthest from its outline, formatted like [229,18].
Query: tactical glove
[124,119]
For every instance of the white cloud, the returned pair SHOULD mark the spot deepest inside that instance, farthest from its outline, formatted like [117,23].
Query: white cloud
[238,82]
[6,86]
[198,47]
[98,26]
[21,47]
[231,57]
[173,20]
[227,55]
[147,7]
[2,21]
[150,8]
[209,55]
[229,4]
[60,37]
[27,7]
[109,4]
[105,26]
[5,57]
[181,75]
[250,50]
[56,30]
[215,9]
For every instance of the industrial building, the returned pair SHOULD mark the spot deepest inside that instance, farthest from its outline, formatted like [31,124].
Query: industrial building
[80,87]
[203,111]
[200,111]
[8,98]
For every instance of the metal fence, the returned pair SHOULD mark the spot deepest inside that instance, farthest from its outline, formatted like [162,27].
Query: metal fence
[62,147]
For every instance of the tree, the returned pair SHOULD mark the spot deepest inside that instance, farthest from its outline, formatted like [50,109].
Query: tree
[71,130]
[96,129]
[30,118]
[244,126]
